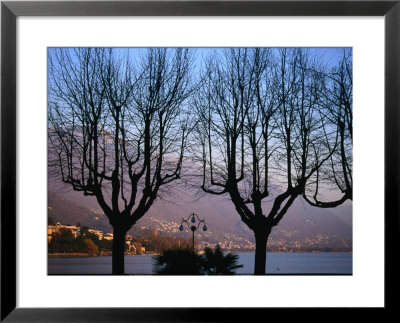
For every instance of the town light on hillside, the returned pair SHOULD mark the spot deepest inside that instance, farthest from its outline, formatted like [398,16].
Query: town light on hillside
[192,218]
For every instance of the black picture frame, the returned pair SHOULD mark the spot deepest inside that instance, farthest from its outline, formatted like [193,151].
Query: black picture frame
[10,10]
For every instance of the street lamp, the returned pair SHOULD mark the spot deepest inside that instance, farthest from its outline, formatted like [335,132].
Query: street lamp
[193,227]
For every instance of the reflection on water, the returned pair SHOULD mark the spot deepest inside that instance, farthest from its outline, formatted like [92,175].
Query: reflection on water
[277,263]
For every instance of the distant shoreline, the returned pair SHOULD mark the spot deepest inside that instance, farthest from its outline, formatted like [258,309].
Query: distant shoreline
[85,254]
[108,254]
[70,255]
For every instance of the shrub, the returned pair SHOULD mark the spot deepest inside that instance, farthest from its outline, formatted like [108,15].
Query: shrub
[91,247]
[187,262]
[178,262]
[216,263]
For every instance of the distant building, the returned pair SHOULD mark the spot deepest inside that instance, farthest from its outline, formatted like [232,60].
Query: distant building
[76,230]
[98,233]
[52,229]
[108,236]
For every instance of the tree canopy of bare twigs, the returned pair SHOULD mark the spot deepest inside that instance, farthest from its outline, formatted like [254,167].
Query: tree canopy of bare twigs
[337,106]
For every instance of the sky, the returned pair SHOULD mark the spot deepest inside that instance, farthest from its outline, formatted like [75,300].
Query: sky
[327,56]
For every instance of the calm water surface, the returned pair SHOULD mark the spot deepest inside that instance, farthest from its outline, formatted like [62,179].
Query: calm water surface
[277,263]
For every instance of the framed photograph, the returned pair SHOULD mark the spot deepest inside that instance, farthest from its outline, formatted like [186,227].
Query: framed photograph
[249,107]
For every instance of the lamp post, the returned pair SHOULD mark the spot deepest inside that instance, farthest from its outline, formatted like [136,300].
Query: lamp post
[193,226]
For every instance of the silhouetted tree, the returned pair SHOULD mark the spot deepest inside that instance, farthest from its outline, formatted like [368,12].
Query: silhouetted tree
[117,128]
[264,134]
[183,261]
[62,241]
[216,263]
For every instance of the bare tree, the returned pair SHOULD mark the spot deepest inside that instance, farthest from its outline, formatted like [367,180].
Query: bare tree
[263,133]
[117,128]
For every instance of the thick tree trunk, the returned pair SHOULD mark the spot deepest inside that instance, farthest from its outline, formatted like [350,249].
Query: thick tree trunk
[118,247]
[261,253]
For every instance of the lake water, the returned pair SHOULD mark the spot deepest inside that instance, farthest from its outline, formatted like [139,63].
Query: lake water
[277,263]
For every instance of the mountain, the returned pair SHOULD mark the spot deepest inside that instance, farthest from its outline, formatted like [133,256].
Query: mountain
[344,213]
[305,225]
[302,227]
[70,212]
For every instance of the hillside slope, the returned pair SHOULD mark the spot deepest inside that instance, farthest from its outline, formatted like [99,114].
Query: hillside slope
[302,226]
